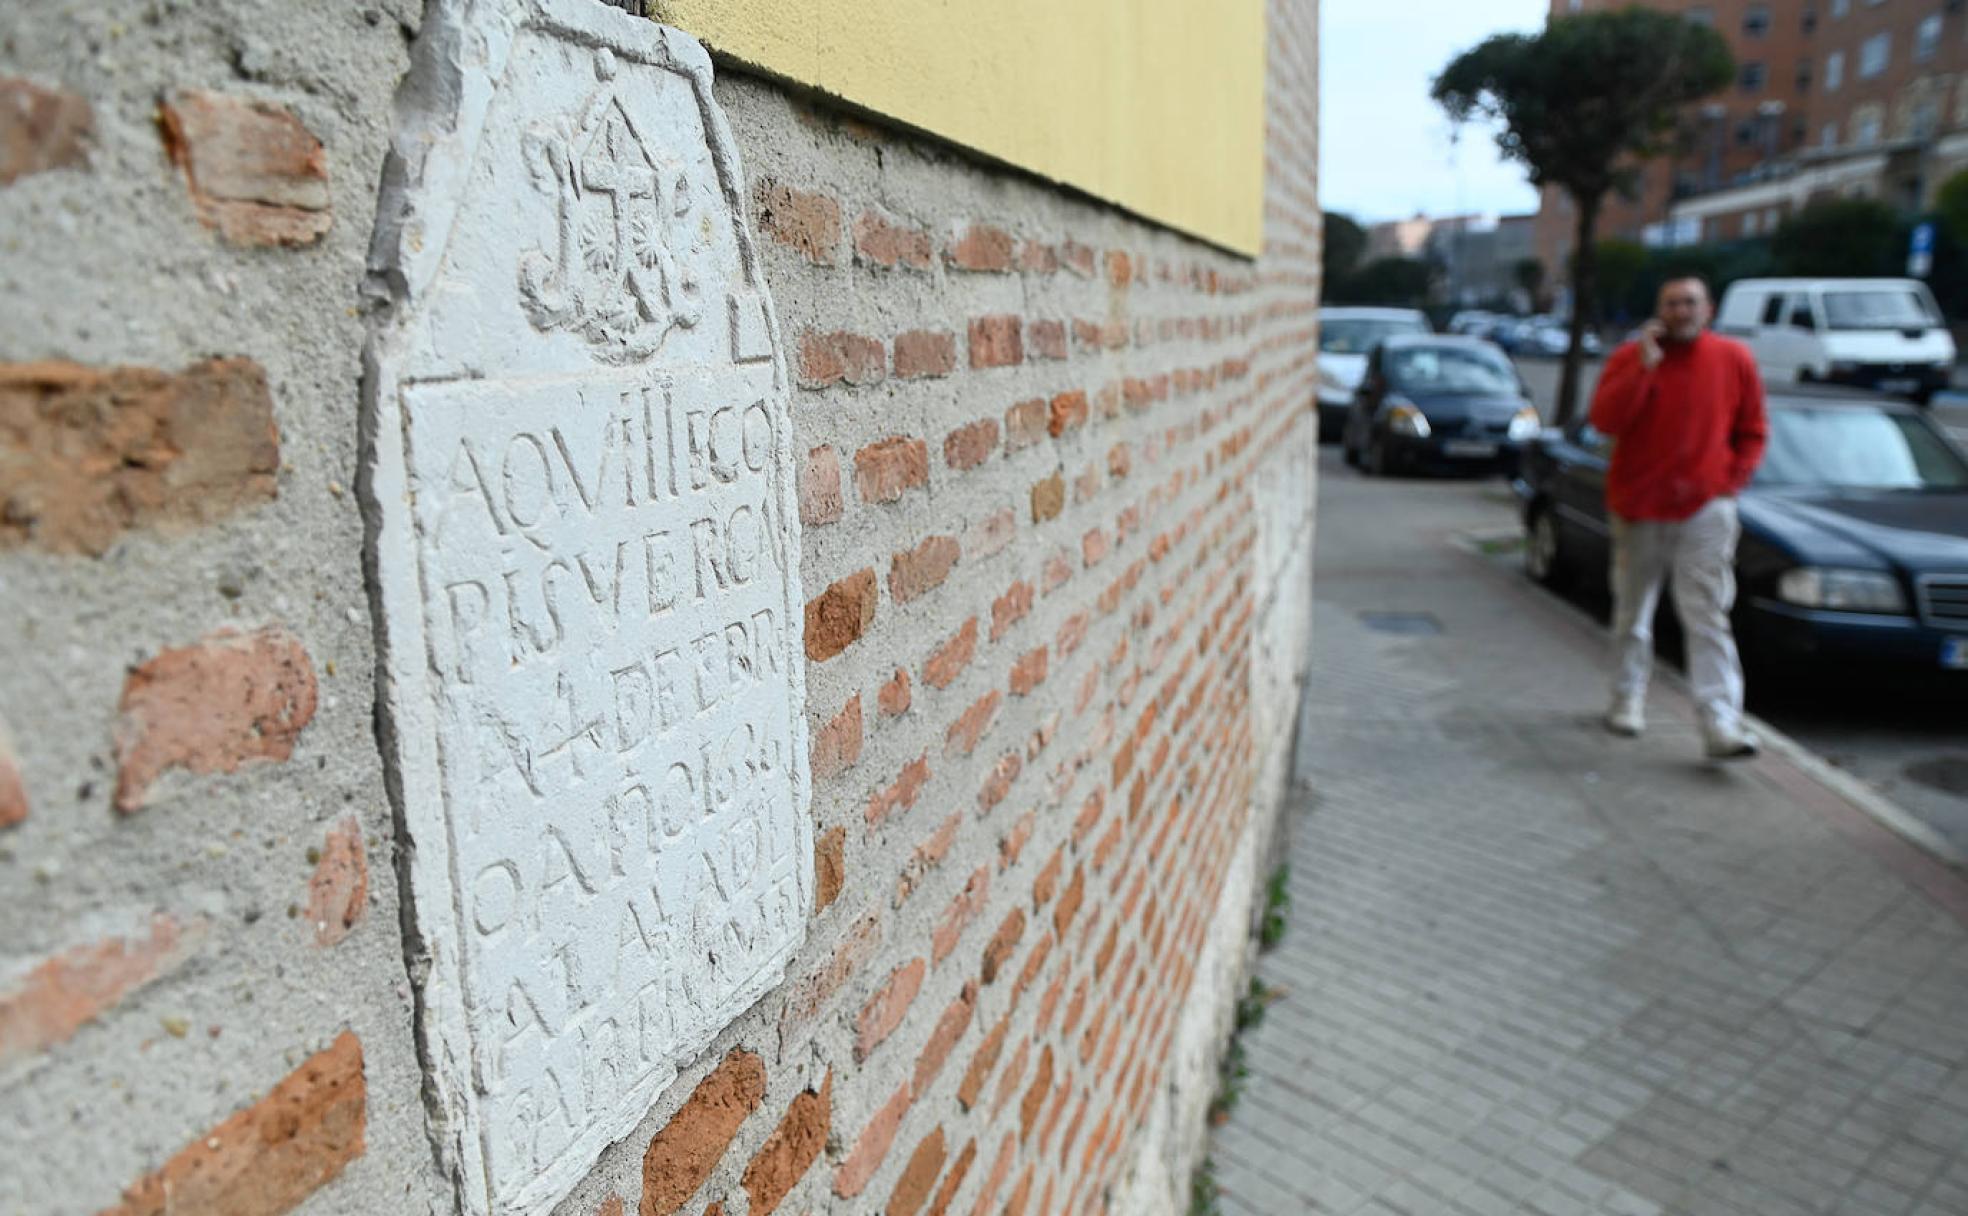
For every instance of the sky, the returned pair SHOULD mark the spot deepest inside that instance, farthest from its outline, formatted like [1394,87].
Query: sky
[1385,147]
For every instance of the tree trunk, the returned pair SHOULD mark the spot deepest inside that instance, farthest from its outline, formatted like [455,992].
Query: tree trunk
[1584,263]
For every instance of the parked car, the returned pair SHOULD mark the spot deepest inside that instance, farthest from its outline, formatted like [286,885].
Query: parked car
[1438,402]
[1551,338]
[1854,534]
[1346,337]
[1885,334]
[1471,322]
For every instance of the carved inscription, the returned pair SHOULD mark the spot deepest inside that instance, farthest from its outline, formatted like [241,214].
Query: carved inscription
[603,565]
[580,487]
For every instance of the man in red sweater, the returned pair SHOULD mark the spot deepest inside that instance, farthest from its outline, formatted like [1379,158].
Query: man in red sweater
[1684,408]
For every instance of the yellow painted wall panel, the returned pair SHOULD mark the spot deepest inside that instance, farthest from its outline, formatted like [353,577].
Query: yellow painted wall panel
[1154,105]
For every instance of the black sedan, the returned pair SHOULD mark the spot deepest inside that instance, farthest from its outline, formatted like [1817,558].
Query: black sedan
[1432,401]
[1854,546]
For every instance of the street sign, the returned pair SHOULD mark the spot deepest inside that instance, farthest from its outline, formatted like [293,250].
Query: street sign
[1920,252]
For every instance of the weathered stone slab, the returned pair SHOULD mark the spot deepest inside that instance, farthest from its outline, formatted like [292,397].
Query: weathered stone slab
[585,555]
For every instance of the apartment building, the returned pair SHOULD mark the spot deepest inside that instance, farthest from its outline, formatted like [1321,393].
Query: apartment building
[1832,99]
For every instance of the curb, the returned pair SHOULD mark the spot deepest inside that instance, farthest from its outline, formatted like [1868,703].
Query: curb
[1883,810]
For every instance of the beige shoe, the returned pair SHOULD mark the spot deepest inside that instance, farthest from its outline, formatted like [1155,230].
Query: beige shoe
[1628,717]
[1730,743]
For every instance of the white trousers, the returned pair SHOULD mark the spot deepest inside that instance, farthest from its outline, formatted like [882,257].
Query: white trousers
[1700,553]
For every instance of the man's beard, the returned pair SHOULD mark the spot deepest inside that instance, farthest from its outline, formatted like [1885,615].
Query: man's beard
[1684,333]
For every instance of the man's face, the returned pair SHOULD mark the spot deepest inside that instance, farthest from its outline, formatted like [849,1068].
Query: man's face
[1684,309]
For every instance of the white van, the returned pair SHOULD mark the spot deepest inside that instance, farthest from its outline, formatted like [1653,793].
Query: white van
[1885,334]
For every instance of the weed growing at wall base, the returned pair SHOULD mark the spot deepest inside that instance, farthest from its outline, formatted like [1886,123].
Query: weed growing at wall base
[1277,902]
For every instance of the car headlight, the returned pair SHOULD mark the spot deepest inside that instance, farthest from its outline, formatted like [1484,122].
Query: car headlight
[1407,420]
[1841,590]
[1524,425]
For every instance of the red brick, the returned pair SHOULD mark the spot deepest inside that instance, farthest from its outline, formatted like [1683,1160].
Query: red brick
[87,455]
[1000,1170]
[915,572]
[1068,413]
[1029,672]
[1034,966]
[1120,272]
[812,994]
[1069,901]
[902,795]
[981,247]
[1045,339]
[1010,608]
[996,341]
[886,1009]
[820,487]
[829,867]
[1047,882]
[681,1156]
[923,354]
[969,446]
[948,1032]
[1015,840]
[48,1004]
[1037,257]
[13,790]
[918,1176]
[1025,424]
[1048,497]
[997,786]
[228,700]
[1058,570]
[1119,460]
[971,727]
[807,223]
[791,1149]
[882,243]
[1077,258]
[927,856]
[837,745]
[1020,1194]
[268,1158]
[947,661]
[1087,483]
[990,535]
[41,129]
[1035,1094]
[998,951]
[894,696]
[1094,546]
[953,1180]
[886,470]
[1087,334]
[981,1064]
[840,358]
[838,616]
[1072,631]
[872,1145]
[338,892]
[957,917]
[255,174]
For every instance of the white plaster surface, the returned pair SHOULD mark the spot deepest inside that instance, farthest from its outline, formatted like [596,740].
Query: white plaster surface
[586,557]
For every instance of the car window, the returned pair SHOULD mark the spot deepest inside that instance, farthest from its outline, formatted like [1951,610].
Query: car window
[1357,335]
[1894,309]
[1449,369]
[1773,310]
[1852,447]
[1800,313]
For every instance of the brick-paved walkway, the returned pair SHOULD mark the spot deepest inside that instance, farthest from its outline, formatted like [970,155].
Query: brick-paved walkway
[1531,968]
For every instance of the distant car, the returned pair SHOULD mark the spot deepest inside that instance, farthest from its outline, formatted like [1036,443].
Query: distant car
[1551,338]
[1346,337]
[1438,402]
[1885,334]
[1472,322]
[1854,534]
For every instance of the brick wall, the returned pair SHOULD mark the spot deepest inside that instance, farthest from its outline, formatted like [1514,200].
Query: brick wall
[1055,484]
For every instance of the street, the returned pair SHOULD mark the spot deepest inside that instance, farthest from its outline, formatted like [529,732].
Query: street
[1531,968]
[1913,752]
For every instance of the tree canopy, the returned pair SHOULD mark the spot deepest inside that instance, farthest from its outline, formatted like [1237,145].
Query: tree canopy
[1345,244]
[1851,237]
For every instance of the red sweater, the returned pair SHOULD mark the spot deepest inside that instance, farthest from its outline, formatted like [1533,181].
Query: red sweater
[1690,430]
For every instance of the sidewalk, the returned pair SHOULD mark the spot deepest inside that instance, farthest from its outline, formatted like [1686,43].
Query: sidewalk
[1531,968]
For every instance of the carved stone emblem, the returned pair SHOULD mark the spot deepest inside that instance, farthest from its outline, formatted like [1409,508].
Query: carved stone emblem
[585,560]
[620,206]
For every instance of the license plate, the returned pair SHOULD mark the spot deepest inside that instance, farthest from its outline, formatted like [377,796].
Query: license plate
[1898,386]
[1468,447]
[1954,653]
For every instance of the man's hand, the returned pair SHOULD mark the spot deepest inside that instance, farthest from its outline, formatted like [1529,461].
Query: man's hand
[1650,343]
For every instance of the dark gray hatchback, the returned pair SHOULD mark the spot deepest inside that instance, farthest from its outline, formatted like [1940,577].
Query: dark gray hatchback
[1439,403]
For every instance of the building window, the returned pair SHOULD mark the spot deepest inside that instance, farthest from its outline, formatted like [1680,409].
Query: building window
[1873,54]
[1803,75]
[1927,37]
[1865,128]
[1810,20]
[1771,218]
[1700,14]
[1828,135]
[1839,8]
[1751,77]
[1749,229]
[1756,21]
[1926,117]
[1834,71]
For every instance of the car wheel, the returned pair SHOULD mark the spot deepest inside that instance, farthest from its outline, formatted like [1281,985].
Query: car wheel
[1544,553]
[1379,462]
[1348,449]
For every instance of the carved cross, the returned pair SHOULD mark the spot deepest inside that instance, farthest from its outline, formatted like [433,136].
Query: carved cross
[611,170]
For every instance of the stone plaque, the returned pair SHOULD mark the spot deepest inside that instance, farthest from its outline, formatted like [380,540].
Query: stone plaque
[585,556]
